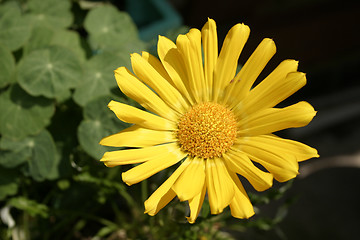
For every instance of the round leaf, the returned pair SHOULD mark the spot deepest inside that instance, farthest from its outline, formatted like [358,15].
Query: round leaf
[90,132]
[70,40]
[40,37]
[14,29]
[107,20]
[38,152]
[44,160]
[99,122]
[52,13]
[7,65]
[111,29]
[15,152]
[99,76]
[49,71]
[23,115]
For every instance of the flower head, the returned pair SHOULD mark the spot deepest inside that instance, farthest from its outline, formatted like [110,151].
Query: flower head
[209,120]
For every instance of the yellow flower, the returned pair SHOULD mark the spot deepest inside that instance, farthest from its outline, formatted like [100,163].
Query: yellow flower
[209,120]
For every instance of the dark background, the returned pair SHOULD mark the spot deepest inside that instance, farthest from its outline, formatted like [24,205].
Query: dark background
[324,36]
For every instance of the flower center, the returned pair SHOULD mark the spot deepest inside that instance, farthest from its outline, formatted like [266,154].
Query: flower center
[207,130]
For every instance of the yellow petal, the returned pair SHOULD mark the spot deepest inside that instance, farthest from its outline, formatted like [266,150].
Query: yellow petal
[241,164]
[136,136]
[301,151]
[275,119]
[154,165]
[196,62]
[161,86]
[186,45]
[156,64]
[228,59]
[131,156]
[280,84]
[164,193]
[282,166]
[144,119]
[244,80]
[210,46]
[240,205]
[135,89]
[174,65]
[219,184]
[191,181]
[195,205]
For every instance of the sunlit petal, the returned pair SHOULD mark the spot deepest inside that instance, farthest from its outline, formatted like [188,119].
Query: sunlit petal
[136,136]
[134,115]
[191,181]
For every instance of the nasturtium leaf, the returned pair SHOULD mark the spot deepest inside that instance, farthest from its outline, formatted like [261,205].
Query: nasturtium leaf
[90,132]
[54,13]
[63,96]
[22,114]
[44,160]
[98,122]
[40,37]
[99,76]
[15,152]
[71,40]
[49,71]
[108,20]
[32,207]
[14,28]
[7,65]
[112,30]
[8,182]
[43,36]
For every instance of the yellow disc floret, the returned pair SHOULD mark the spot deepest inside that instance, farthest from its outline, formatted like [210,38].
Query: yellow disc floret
[207,130]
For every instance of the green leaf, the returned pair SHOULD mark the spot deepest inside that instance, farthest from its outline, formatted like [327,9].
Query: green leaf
[99,122]
[15,152]
[38,152]
[108,20]
[8,183]
[99,76]
[32,207]
[44,160]
[23,115]
[70,40]
[42,36]
[7,65]
[49,71]
[14,28]
[53,13]
[111,30]
[90,133]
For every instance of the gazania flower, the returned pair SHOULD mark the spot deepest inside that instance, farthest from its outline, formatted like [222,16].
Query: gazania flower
[210,121]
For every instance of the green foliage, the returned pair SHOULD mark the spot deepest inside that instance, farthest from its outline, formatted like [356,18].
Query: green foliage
[52,13]
[50,71]
[31,207]
[23,114]
[56,61]
[99,76]
[98,123]
[15,28]
[9,181]
[105,25]
[7,66]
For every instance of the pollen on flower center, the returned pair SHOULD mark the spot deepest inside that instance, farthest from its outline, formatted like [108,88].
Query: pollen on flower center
[207,130]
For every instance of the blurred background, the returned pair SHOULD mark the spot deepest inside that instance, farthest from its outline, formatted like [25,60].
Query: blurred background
[52,185]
